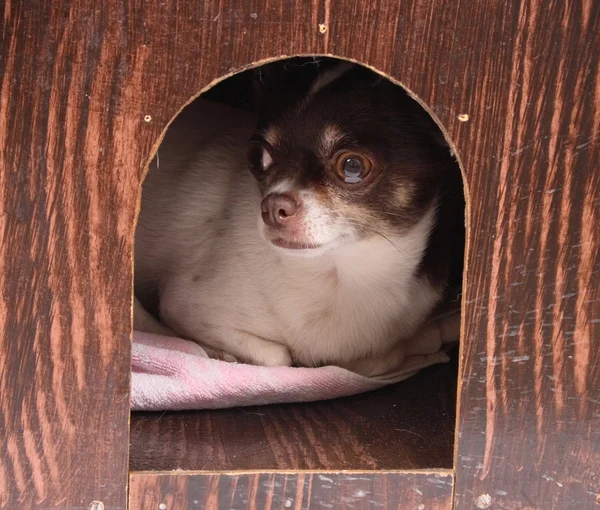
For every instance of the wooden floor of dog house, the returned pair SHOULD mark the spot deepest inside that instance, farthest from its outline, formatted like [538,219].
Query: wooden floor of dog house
[409,425]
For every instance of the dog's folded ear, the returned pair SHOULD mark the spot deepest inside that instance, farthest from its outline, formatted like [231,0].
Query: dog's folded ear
[278,84]
[424,120]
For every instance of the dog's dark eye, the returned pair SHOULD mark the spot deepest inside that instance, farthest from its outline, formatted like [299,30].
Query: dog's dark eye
[259,158]
[352,168]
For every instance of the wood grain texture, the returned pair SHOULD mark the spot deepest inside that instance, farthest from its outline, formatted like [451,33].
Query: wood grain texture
[299,491]
[407,426]
[68,192]
[77,81]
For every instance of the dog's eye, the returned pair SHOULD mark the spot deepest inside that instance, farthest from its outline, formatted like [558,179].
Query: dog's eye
[259,158]
[352,168]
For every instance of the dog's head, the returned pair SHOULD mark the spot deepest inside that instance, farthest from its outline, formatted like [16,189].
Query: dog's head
[340,154]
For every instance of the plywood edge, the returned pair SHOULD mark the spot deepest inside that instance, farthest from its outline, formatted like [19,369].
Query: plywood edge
[407,472]
[337,490]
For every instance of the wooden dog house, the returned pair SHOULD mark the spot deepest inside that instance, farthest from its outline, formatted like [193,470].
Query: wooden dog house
[86,91]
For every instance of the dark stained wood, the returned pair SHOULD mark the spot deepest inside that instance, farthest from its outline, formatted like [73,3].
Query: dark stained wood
[68,191]
[406,426]
[297,491]
[515,84]
[529,425]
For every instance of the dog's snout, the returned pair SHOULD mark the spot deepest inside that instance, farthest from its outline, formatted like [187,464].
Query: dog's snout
[278,208]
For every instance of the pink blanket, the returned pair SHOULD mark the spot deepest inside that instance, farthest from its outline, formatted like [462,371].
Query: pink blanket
[173,374]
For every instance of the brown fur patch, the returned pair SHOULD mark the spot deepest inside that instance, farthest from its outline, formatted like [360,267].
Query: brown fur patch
[404,195]
[272,135]
[330,136]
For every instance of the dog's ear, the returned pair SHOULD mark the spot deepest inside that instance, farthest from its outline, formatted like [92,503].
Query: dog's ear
[420,116]
[283,82]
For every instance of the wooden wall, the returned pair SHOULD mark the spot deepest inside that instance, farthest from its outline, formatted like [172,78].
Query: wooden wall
[86,89]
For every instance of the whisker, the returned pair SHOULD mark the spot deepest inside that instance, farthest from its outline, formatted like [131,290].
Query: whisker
[266,257]
[354,222]
[394,245]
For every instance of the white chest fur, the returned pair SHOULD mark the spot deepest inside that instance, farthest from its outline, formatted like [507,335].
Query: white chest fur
[331,308]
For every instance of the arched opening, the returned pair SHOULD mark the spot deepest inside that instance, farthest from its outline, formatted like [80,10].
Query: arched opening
[335,163]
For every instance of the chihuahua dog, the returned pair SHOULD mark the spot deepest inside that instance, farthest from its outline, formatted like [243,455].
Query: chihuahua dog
[322,231]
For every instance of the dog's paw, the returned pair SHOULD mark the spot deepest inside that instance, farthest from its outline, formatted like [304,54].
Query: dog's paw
[271,354]
[219,354]
[378,365]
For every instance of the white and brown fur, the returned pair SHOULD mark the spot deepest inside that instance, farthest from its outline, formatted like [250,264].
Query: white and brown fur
[205,260]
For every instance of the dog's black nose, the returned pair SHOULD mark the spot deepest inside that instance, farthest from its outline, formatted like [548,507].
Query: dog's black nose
[278,208]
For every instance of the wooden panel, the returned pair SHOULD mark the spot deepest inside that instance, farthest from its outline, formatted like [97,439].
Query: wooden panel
[78,82]
[300,491]
[406,426]
[529,425]
[68,191]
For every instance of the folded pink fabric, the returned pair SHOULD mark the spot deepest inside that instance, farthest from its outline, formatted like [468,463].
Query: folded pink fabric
[174,374]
